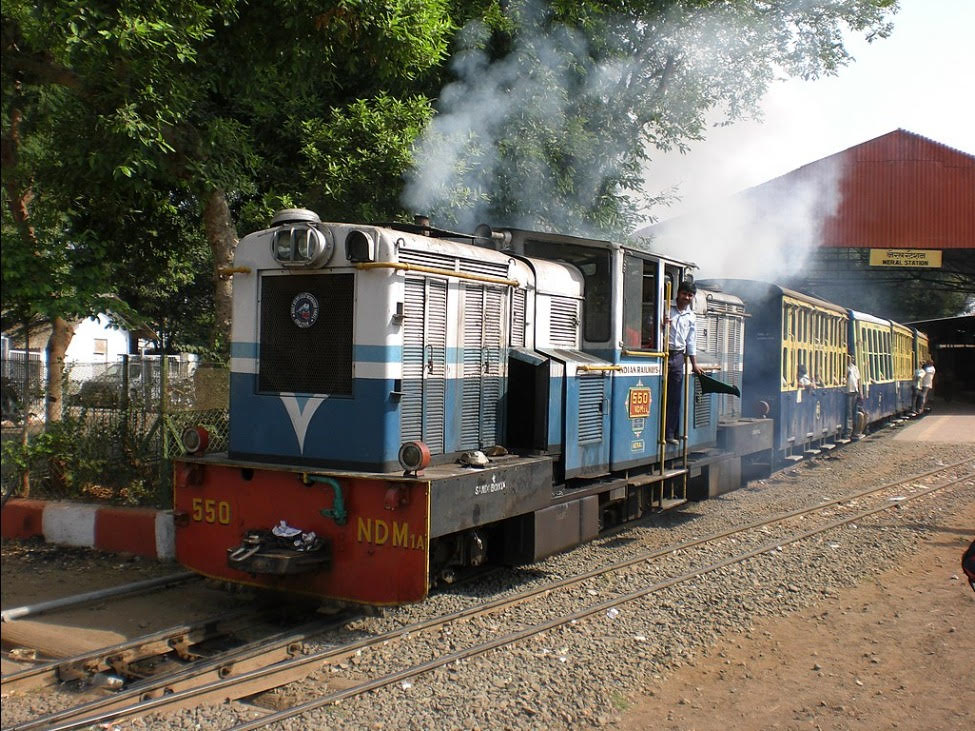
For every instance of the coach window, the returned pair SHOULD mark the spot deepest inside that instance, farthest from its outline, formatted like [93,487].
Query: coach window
[875,372]
[888,357]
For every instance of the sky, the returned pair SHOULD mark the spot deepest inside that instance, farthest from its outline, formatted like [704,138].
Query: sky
[919,79]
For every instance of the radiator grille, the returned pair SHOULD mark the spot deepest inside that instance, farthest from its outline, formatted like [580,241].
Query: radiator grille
[315,359]
[591,408]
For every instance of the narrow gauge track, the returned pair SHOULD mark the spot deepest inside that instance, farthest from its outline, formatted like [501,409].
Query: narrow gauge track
[839,512]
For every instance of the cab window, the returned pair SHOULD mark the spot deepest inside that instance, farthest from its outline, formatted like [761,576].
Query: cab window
[639,303]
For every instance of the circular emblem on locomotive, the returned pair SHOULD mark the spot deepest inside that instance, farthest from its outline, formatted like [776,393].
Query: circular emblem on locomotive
[304,309]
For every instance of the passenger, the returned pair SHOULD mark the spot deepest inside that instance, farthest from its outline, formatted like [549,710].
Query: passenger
[918,381]
[683,341]
[804,380]
[927,383]
[854,397]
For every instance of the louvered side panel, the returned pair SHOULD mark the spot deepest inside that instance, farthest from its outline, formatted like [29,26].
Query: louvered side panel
[736,347]
[565,323]
[471,391]
[434,386]
[713,333]
[591,394]
[730,405]
[411,402]
[519,299]
[491,381]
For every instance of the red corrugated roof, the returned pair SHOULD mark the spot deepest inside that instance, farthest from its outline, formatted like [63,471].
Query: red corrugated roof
[900,190]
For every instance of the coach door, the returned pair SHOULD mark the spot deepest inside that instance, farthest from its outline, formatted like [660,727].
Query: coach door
[482,358]
[424,362]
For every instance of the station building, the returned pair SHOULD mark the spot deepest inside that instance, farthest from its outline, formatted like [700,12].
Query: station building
[888,228]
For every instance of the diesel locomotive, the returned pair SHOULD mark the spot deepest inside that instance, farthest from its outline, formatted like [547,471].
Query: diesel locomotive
[407,403]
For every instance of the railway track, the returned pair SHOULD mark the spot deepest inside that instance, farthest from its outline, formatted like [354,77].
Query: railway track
[511,619]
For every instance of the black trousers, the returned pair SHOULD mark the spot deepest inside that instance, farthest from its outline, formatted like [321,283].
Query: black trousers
[851,413]
[675,393]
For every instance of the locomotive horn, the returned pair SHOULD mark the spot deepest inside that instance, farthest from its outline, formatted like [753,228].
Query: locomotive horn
[423,222]
[485,236]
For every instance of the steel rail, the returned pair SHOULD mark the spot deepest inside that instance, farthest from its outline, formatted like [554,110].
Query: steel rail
[92,596]
[540,627]
[262,679]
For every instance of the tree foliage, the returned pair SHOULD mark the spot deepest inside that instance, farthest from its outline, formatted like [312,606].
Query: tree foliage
[199,118]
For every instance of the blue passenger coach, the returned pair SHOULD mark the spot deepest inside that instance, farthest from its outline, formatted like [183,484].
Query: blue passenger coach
[794,364]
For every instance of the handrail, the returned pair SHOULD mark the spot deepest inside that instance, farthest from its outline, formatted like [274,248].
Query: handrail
[645,353]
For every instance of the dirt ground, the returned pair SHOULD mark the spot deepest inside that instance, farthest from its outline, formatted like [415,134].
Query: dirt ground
[894,652]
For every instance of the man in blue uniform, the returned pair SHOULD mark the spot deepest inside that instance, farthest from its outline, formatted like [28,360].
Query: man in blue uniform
[683,346]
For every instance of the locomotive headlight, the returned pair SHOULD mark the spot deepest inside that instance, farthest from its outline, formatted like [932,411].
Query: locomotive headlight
[414,456]
[195,439]
[302,246]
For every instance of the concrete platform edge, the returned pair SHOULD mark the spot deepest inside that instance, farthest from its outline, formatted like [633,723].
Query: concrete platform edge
[140,531]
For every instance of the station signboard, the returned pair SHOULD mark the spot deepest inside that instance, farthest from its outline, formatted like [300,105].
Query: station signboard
[906,258]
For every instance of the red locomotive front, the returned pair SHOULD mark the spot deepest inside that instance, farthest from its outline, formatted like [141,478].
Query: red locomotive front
[332,535]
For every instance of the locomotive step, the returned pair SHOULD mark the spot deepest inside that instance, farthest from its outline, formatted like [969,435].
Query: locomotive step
[649,479]
[669,503]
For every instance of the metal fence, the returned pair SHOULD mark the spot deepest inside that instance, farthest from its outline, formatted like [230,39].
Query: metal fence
[120,425]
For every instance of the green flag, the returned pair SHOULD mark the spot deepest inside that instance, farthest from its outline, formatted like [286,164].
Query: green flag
[713,385]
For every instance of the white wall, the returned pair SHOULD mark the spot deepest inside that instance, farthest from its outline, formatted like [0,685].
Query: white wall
[83,346]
